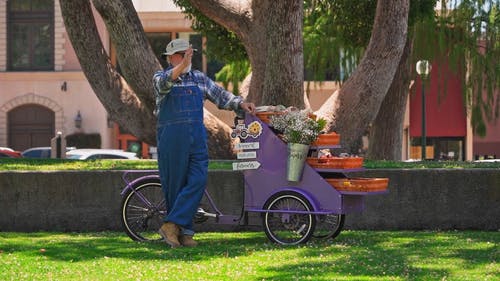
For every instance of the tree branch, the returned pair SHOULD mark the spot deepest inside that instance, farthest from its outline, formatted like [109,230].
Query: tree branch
[233,15]
[137,60]
[364,91]
[117,97]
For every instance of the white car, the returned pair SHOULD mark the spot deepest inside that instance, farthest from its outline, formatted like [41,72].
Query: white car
[487,161]
[90,153]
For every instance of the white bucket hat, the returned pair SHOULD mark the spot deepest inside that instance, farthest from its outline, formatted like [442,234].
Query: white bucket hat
[176,45]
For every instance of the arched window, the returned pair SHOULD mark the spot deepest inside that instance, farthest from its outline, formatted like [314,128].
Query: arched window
[30,31]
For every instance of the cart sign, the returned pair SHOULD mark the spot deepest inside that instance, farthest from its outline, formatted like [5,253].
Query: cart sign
[247,155]
[247,145]
[251,165]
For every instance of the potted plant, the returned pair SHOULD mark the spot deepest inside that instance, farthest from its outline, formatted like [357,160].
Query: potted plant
[298,130]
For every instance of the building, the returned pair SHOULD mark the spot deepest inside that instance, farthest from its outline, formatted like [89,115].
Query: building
[43,90]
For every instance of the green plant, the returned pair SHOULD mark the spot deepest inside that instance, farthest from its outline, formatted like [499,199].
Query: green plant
[297,126]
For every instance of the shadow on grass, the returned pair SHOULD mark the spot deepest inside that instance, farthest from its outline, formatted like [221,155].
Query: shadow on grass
[87,246]
[359,254]
[387,255]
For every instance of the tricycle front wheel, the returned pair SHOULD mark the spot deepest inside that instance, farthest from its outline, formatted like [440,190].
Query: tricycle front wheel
[288,221]
[143,208]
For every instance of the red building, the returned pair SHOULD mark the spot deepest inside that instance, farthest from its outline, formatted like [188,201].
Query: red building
[449,135]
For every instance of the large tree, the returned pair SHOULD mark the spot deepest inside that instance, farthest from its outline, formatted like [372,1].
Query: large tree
[271,32]
[127,95]
[463,29]
[356,104]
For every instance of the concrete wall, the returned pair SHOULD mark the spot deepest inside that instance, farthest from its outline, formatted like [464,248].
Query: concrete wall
[90,201]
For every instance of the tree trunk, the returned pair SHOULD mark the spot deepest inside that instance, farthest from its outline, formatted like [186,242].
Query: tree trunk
[356,105]
[284,74]
[114,92]
[386,138]
[271,31]
[129,101]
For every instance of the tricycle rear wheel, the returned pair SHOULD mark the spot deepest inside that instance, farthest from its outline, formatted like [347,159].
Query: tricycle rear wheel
[288,222]
[329,226]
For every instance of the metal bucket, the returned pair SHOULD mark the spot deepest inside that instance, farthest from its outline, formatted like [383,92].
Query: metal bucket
[297,154]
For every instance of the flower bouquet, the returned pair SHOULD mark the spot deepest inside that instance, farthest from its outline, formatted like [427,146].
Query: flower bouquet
[296,126]
[299,130]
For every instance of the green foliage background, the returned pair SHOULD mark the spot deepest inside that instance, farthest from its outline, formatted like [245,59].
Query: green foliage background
[336,33]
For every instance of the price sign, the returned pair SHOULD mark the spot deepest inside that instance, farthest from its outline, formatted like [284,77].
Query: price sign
[250,165]
[247,155]
[247,145]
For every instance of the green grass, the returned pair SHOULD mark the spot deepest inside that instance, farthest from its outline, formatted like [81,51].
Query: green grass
[354,255]
[10,164]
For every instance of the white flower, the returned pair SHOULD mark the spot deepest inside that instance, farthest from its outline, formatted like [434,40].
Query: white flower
[297,126]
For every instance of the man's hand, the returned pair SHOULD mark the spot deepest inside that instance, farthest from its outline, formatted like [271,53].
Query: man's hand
[248,107]
[188,56]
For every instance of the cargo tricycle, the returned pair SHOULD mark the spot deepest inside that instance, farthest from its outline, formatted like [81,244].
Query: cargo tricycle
[291,212]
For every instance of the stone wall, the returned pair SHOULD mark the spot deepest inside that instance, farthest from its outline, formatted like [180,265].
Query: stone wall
[422,199]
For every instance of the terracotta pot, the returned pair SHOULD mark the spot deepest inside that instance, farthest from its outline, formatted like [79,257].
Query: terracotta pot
[335,162]
[265,116]
[327,139]
[359,184]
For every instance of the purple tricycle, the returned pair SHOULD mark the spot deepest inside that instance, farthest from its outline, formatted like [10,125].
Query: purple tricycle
[292,212]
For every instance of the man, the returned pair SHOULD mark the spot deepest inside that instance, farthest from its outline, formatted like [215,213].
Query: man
[182,139]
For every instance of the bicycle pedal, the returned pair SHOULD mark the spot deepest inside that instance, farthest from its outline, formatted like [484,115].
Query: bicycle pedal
[202,212]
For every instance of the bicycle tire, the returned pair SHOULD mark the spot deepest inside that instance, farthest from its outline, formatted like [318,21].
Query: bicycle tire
[329,226]
[141,219]
[288,228]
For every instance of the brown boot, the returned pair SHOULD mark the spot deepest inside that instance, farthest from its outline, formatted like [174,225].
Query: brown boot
[170,233]
[187,241]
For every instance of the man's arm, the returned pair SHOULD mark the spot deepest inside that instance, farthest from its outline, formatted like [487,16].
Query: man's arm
[186,61]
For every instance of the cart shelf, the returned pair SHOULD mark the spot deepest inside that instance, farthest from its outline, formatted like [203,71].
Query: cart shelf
[270,177]
[326,170]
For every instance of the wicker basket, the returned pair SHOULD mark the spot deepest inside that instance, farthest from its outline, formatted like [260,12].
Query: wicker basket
[359,184]
[327,139]
[336,162]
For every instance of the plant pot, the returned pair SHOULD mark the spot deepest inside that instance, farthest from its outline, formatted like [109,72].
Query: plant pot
[359,184]
[297,154]
[327,139]
[336,162]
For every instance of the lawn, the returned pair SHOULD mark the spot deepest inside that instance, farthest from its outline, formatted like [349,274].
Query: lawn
[26,164]
[354,255]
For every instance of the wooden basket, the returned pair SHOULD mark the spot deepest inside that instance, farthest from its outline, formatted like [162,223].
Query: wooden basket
[265,116]
[327,139]
[336,162]
[359,184]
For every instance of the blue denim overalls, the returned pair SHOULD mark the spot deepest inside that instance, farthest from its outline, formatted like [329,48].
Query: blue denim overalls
[182,153]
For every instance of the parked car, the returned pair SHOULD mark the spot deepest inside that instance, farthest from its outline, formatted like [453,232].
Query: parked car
[487,161]
[37,152]
[87,154]
[6,152]
[40,152]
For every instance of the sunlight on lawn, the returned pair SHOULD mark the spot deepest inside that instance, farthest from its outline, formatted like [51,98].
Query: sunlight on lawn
[354,255]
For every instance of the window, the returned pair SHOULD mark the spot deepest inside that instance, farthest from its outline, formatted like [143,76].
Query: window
[30,34]
[439,148]
[158,43]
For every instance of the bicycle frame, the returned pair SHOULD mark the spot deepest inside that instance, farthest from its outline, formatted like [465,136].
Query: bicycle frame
[153,176]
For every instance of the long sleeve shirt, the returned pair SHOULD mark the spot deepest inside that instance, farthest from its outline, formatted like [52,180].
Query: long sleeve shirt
[162,81]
